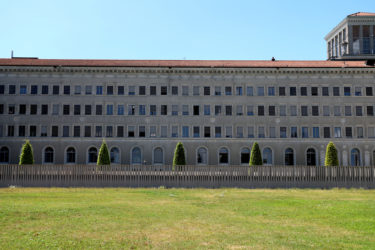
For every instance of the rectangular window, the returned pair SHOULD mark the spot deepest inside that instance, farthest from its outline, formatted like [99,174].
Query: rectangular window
[347,91]
[337,132]
[239,91]
[316,133]
[152,109]
[196,110]
[12,89]
[109,109]
[228,110]
[228,132]
[185,90]
[88,90]
[261,133]
[22,109]
[206,90]
[120,109]
[271,110]
[185,109]
[44,89]
[348,132]
[10,130]
[217,132]
[163,110]
[303,91]
[142,109]
[358,91]
[131,109]
[292,91]
[325,91]
[33,131]
[314,91]
[120,91]
[250,132]
[304,111]
[271,91]
[174,90]
[152,131]
[131,90]
[2,89]
[55,109]
[371,132]
[370,110]
[23,90]
[98,131]
[99,90]
[207,109]
[369,91]
[293,110]
[142,90]
[44,109]
[239,133]
[131,131]
[109,90]
[174,132]
[196,90]
[359,132]
[66,110]
[185,131]
[43,131]
[207,132]
[77,131]
[196,132]
[12,109]
[282,110]
[326,111]
[348,110]
[217,109]
[315,110]
[337,110]
[218,91]
[260,110]
[120,131]
[305,132]
[336,91]
[34,90]
[293,132]
[163,131]
[272,132]
[174,109]
[99,109]
[142,131]
[260,91]
[2,108]
[77,109]
[358,110]
[228,90]
[239,110]
[152,90]
[77,89]
[65,131]
[163,90]
[250,110]
[249,91]
[55,131]
[327,132]
[66,90]
[33,109]
[283,132]
[21,131]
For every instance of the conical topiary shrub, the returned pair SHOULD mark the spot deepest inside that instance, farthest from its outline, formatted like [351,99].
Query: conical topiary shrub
[179,155]
[103,158]
[331,155]
[256,156]
[27,155]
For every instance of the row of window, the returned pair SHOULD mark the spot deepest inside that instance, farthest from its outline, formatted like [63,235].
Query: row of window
[185,90]
[189,131]
[250,110]
[201,156]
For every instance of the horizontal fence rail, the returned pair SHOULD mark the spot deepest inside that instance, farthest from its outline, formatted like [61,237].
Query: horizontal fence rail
[187,176]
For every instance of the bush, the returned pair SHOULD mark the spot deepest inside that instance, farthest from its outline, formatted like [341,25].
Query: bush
[331,155]
[179,155]
[256,156]
[103,158]
[27,155]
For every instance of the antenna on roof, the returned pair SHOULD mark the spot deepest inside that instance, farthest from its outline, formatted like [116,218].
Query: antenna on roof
[11,54]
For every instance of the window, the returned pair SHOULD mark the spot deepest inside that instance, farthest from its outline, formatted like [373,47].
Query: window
[358,110]
[239,91]
[196,110]
[239,133]
[4,155]
[369,91]
[196,90]
[305,132]
[303,91]
[152,109]
[223,156]
[185,90]
[142,90]
[185,109]
[21,130]
[293,132]
[120,90]
[217,110]
[348,110]
[77,131]
[202,156]
[206,90]
[12,89]
[271,91]
[315,110]
[88,90]
[326,111]
[92,155]
[228,132]
[163,90]
[34,90]
[164,110]
[2,108]
[152,90]
[228,110]
[370,110]
[207,109]
[23,90]
[283,132]
[239,110]
[292,91]
[10,130]
[163,131]
[304,111]
[271,111]
[267,156]
[358,91]
[99,90]
[152,131]
[228,90]
[131,90]
[371,133]
[109,109]
[142,109]
[282,110]
[261,132]
[217,132]
[120,109]
[207,132]
[43,131]
[293,110]
[289,157]
[359,132]
[22,109]
[260,110]
[337,132]
[348,132]
[337,110]
[158,156]
[314,91]
[185,131]
[66,90]
[77,109]
[66,109]
[245,156]
[2,89]
[250,132]
[346,91]
[355,158]
[327,132]
[196,132]
[32,131]
[250,110]
[87,131]
[99,109]
[109,90]
[77,89]
[260,91]
[174,90]
[48,155]
[70,155]
[336,91]
[120,131]
[316,133]
[272,131]
[325,91]
[12,109]
[65,131]
[131,131]
[174,132]
[249,91]
[218,91]
[131,109]
[109,131]
[142,131]
[310,157]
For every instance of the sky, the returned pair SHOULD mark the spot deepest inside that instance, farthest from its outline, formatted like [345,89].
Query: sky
[172,30]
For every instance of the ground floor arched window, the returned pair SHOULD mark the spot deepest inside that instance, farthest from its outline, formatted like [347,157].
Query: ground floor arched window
[245,156]
[355,157]
[115,155]
[311,157]
[70,155]
[158,156]
[93,155]
[267,156]
[136,156]
[48,155]
[289,157]
[223,156]
[4,155]
[202,156]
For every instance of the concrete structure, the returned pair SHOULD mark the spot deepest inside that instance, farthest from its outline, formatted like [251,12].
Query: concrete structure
[216,108]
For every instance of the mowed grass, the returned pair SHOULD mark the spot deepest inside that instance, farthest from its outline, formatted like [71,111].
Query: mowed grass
[41,218]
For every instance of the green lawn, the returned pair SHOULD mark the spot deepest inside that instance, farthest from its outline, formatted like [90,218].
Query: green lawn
[186,218]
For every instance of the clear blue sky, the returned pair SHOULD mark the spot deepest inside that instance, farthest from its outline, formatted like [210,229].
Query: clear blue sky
[166,29]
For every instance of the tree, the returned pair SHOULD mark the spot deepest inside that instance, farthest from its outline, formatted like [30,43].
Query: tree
[103,158]
[27,155]
[331,155]
[256,156]
[179,155]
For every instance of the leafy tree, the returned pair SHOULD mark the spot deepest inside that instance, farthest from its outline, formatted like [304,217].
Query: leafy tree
[27,155]
[103,158]
[256,156]
[331,155]
[179,155]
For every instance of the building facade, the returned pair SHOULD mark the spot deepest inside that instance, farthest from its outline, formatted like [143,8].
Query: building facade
[217,109]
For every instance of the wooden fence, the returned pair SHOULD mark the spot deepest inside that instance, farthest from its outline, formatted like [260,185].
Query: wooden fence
[186,176]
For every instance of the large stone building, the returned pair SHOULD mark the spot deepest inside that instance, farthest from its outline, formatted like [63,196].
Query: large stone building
[216,108]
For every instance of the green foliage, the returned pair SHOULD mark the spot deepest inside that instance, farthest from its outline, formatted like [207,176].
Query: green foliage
[331,155]
[27,155]
[103,158]
[179,155]
[256,156]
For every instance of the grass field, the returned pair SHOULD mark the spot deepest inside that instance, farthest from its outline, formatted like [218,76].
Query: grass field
[186,218]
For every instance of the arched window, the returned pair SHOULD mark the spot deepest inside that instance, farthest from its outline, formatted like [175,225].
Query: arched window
[48,155]
[355,158]
[93,155]
[223,156]
[311,157]
[115,155]
[289,157]
[245,156]
[70,155]
[267,156]
[158,156]
[202,156]
[4,155]
[136,156]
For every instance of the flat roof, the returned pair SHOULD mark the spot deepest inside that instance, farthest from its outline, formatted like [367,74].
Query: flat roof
[181,63]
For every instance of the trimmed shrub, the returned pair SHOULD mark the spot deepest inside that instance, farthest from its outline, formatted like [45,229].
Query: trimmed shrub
[331,155]
[103,158]
[179,155]
[256,156]
[27,155]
